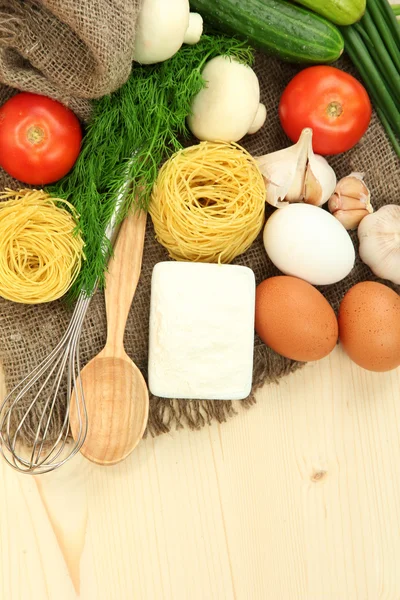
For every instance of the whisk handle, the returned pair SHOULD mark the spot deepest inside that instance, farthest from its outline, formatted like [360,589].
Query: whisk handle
[122,278]
[113,227]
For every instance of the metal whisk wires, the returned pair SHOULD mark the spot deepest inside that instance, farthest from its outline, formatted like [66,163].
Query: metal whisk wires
[43,387]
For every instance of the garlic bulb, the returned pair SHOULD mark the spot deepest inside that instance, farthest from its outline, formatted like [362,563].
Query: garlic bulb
[379,235]
[351,201]
[296,174]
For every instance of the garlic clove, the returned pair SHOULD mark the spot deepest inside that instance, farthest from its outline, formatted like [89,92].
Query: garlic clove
[284,171]
[296,190]
[334,203]
[312,193]
[353,185]
[379,236]
[278,180]
[320,180]
[341,202]
[351,196]
[350,219]
[296,174]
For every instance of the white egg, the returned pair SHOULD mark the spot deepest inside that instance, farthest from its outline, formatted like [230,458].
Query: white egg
[308,242]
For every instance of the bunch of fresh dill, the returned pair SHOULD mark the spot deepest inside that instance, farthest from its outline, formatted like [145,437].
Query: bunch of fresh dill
[146,118]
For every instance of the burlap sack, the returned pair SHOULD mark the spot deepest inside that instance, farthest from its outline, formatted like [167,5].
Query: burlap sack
[28,332]
[67,49]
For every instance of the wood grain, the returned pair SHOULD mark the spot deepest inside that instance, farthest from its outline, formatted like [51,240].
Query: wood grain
[121,280]
[295,499]
[116,394]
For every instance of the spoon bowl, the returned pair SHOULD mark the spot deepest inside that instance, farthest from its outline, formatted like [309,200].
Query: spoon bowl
[118,405]
[116,394]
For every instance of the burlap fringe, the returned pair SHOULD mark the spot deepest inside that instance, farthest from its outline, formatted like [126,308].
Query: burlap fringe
[10,22]
[166,414]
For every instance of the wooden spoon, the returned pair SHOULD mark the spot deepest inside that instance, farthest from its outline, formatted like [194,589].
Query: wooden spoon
[116,394]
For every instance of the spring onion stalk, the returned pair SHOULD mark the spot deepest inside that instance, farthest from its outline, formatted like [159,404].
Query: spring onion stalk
[390,18]
[371,76]
[380,33]
[390,133]
[378,62]
[355,48]
[373,45]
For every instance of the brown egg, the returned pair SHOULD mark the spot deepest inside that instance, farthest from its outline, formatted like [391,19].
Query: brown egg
[369,326]
[294,319]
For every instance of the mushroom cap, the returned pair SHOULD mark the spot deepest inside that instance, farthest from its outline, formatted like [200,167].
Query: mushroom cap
[225,108]
[160,30]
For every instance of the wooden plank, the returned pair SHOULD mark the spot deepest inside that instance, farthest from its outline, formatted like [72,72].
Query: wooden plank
[295,499]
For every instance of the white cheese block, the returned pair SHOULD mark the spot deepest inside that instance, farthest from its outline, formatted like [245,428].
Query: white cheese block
[201,331]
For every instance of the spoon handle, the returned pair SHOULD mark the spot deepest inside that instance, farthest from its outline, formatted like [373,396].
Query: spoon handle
[122,279]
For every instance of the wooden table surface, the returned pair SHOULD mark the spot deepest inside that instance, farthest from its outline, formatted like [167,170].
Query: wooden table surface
[297,498]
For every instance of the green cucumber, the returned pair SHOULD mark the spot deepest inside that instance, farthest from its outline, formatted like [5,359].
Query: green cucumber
[275,27]
[341,12]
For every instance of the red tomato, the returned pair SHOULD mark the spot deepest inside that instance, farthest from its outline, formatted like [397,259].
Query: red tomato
[332,102]
[39,138]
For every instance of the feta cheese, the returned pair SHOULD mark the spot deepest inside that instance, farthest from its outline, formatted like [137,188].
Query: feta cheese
[201,331]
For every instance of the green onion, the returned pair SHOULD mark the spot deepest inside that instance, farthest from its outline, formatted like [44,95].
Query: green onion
[380,33]
[359,55]
[373,45]
[379,63]
[381,97]
[396,9]
[390,133]
[390,18]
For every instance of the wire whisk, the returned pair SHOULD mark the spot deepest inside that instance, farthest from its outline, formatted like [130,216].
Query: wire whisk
[53,381]
[44,384]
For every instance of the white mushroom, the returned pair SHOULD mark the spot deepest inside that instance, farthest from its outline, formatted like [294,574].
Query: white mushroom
[228,107]
[162,27]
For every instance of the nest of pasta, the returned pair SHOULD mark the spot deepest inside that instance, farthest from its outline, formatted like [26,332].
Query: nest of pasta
[208,203]
[41,250]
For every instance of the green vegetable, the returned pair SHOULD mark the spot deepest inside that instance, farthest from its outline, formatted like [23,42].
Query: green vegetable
[341,12]
[376,56]
[275,27]
[390,133]
[374,81]
[396,9]
[390,17]
[146,116]
[379,30]
[373,45]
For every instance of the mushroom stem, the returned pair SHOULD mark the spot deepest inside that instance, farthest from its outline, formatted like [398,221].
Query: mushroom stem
[194,30]
[259,119]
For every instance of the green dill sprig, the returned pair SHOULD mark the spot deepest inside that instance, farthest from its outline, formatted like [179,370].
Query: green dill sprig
[146,117]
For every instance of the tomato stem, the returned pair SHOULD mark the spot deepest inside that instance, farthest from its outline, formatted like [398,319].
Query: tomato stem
[334,109]
[35,134]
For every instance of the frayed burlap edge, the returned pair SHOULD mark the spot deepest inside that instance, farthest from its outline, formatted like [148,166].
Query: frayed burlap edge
[195,414]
